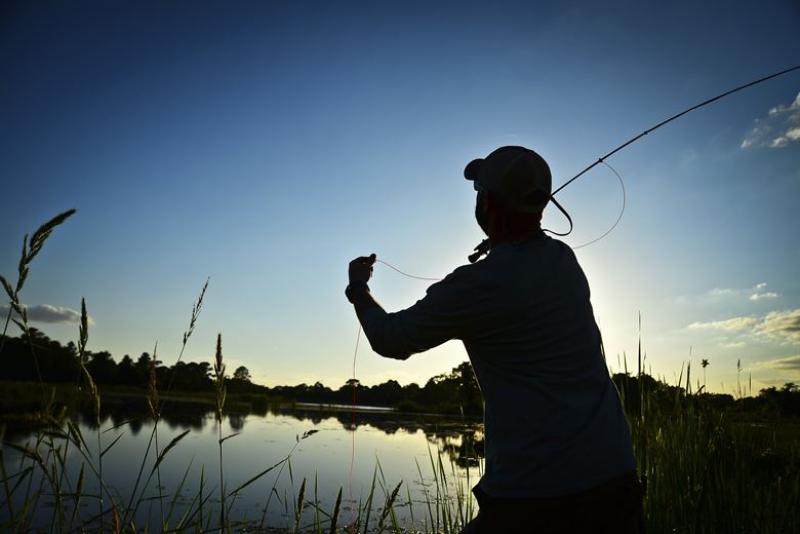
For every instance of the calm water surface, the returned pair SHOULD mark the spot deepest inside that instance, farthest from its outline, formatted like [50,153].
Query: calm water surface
[338,454]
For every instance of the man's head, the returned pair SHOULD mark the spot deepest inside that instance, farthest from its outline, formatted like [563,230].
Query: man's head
[513,185]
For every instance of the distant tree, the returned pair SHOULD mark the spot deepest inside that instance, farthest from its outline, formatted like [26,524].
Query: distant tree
[386,394]
[786,400]
[191,375]
[102,367]
[71,349]
[319,393]
[142,369]
[242,373]
[469,391]
[345,392]
[126,372]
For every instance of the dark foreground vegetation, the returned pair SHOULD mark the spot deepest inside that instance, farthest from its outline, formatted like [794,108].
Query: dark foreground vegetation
[710,463]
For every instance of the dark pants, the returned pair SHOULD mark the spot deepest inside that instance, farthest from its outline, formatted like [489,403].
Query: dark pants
[613,507]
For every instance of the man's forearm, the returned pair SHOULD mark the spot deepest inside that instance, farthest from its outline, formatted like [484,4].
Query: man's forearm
[373,319]
[362,301]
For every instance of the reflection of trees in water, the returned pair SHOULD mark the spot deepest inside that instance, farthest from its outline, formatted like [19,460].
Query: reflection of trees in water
[463,442]
[389,423]
[236,421]
[134,413]
[464,446]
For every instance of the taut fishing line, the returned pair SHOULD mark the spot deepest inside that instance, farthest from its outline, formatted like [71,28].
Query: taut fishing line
[484,246]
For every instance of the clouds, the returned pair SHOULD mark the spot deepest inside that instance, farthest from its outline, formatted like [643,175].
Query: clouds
[790,363]
[783,326]
[733,345]
[758,293]
[765,295]
[727,294]
[730,325]
[46,313]
[778,129]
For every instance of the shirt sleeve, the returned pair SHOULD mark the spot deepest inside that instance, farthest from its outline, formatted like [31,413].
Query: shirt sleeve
[451,309]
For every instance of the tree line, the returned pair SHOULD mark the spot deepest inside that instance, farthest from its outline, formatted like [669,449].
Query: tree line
[456,392]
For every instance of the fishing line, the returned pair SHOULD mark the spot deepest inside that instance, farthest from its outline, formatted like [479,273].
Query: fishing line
[415,277]
[621,211]
[355,387]
[353,425]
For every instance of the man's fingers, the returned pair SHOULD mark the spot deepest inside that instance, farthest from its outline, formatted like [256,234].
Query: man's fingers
[365,260]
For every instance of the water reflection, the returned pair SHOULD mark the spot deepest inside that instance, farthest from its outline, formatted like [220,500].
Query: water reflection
[337,456]
[461,441]
[465,449]
[134,412]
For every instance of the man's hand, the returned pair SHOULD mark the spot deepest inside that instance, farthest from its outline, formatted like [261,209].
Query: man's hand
[360,269]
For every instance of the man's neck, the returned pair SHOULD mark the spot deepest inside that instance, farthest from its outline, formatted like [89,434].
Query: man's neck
[518,237]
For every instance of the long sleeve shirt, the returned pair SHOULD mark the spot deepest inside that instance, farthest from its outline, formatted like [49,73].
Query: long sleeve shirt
[554,424]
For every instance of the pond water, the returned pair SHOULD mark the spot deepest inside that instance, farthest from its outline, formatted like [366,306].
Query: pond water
[341,449]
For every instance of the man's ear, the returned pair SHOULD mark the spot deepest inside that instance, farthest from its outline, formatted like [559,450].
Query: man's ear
[486,200]
[492,202]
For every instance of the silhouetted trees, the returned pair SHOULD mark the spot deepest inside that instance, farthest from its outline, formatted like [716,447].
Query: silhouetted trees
[786,400]
[242,373]
[56,363]
[456,392]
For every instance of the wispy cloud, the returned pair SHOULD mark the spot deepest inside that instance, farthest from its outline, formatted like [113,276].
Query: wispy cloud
[47,313]
[765,295]
[784,324]
[779,128]
[733,344]
[732,324]
[719,294]
[790,363]
[758,292]
[779,325]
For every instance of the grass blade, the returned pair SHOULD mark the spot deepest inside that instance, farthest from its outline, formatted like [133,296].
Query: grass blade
[168,448]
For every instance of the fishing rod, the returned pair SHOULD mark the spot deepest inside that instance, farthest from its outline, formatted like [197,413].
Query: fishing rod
[672,118]
[485,245]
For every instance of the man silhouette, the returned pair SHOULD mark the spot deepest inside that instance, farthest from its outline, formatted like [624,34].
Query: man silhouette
[558,448]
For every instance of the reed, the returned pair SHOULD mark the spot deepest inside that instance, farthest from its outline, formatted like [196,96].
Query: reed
[219,375]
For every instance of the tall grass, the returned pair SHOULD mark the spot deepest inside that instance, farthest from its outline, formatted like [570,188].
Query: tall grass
[704,471]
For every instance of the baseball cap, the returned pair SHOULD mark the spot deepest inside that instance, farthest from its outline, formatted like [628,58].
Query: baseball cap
[518,176]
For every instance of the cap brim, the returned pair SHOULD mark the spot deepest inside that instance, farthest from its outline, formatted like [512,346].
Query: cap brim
[473,169]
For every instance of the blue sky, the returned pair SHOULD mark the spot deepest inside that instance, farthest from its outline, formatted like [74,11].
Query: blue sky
[264,145]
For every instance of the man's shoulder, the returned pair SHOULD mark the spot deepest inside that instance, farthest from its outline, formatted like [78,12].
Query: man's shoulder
[465,276]
[504,260]
[540,247]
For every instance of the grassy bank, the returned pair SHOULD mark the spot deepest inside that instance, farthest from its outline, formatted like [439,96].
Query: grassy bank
[707,470]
